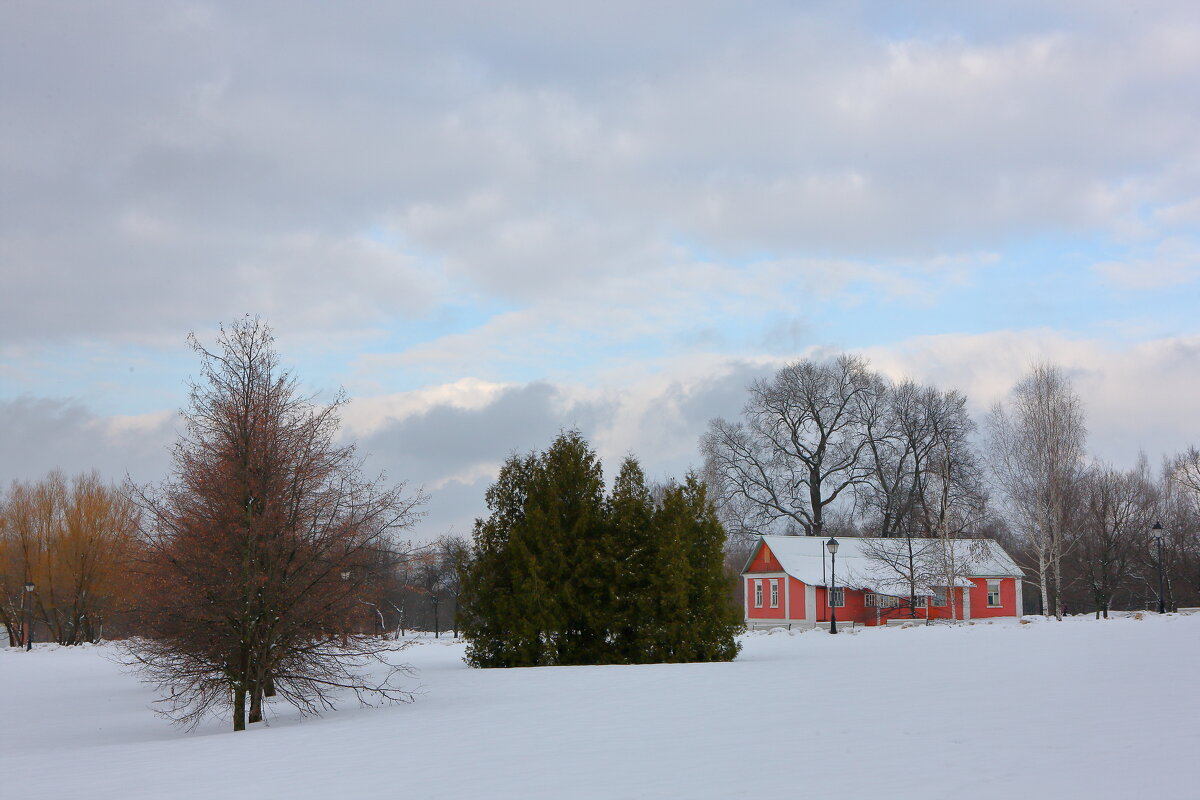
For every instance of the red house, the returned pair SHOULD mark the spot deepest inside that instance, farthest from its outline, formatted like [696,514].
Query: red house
[789,581]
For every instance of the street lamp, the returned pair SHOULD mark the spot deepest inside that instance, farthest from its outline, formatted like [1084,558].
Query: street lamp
[28,615]
[832,547]
[1156,533]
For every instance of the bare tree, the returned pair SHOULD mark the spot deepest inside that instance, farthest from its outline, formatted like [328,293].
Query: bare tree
[1180,509]
[1037,443]
[262,545]
[801,447]
[925,479]
[73,539]
[910,562]
[1118,509]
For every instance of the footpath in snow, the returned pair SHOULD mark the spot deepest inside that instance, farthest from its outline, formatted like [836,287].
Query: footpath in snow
[1088,709]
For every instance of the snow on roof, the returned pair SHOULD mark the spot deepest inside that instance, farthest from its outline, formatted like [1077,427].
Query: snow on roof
[864,562]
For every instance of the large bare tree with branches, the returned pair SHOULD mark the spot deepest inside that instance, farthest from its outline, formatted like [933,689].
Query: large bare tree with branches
[261,545]
[801,447]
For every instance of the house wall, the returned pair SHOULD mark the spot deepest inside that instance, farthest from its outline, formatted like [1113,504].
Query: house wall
[1008,599]
[764,561]
[854,610]
[766,612]
[943,612]
[880,616]
[796,597]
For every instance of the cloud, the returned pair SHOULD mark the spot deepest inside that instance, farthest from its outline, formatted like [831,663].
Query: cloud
[42,434]
[1173,262]
[170,175]
[1137,395]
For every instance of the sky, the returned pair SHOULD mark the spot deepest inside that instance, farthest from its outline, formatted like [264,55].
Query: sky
[490,222]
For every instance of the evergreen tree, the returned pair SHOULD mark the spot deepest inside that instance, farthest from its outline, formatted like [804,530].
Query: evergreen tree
[632,560]
[502,616]
[667,634]
[565,528]
[713,620]
[559,574]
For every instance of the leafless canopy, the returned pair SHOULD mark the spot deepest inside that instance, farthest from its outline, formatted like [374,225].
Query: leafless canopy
[800,448]
[1037,452]
[826,436]
[260,545]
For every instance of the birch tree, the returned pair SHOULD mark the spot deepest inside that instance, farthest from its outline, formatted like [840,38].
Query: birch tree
[1036,448]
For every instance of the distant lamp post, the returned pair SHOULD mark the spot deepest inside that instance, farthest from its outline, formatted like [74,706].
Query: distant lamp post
[1156,533]
[28,615]
[832,547]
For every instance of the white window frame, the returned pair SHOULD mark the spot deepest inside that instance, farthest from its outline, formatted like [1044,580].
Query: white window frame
[921,601]
[774,593]
[993,592]
[876,600]
[758,594]
[836,598]
[939,598]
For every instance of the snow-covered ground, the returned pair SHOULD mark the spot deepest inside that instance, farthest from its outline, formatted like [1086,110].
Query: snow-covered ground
[1085,709]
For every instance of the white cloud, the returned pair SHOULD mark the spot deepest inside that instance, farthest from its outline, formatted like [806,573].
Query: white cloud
[1174,262]
[530,157]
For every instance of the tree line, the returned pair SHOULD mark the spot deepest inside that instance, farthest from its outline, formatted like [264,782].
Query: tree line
[268,565]
[832,447]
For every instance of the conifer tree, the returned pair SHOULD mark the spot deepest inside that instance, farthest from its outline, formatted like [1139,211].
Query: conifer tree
[713,620]
[630,519]
[566,521]
[559,574]
[667,637]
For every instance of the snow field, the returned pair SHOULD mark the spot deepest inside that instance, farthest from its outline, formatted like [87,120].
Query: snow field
[1096,709]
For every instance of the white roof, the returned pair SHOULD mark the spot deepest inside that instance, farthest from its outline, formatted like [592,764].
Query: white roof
[859,564]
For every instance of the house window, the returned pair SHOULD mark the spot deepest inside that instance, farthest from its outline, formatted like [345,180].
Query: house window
[939,596]
[882,601]
[774,594]
[837,597]
[875,600]
[993,593]
[758,594]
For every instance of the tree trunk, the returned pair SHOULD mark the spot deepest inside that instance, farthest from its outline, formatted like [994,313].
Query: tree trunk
[239,707]
[1043,583]
[1056,561]
[256,695]
[269,687]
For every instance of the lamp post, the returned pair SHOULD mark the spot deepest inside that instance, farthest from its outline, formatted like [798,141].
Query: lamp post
[28,615]
[832,547]
[1156,533]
